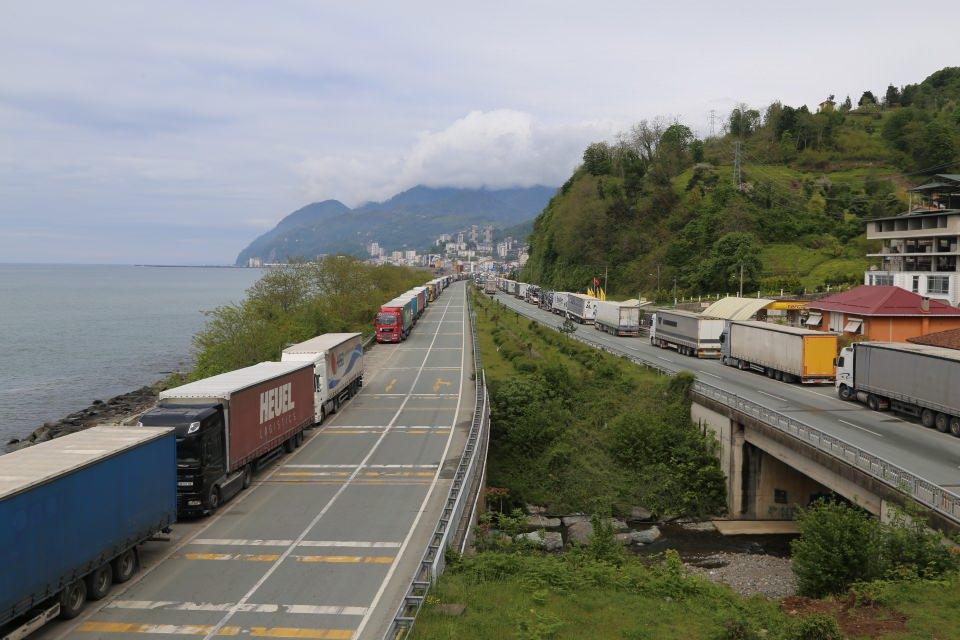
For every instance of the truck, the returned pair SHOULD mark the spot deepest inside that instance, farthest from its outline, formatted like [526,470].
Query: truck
[337,360]
[73,511]
[581,308]
[789,354]
[394,321]
[617,318]
[546,300]
[558,304]
[228,423]
[521,291]
[533,294]
[490,287]
[691,334]
[913,379]
[420,293]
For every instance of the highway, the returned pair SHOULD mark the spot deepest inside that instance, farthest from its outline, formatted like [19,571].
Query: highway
[924,452]
[325,543]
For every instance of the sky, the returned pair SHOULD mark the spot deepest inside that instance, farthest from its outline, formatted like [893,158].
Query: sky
[176,132]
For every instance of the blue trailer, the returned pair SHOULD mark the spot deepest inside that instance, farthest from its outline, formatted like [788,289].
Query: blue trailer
[72,512]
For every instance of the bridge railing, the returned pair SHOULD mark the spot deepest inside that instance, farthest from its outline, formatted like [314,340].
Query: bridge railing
[452,529]
[925,492]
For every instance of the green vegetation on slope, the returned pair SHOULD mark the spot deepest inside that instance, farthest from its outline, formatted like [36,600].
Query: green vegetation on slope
[293,303]
[575,429]
[661,205]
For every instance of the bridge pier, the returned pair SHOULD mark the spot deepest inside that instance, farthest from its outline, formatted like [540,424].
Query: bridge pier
[767,477]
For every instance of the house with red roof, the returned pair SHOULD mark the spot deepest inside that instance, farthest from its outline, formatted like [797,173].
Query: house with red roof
[882,312]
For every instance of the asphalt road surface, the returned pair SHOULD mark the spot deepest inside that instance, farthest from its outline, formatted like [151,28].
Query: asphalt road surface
[326,541]
[924,452]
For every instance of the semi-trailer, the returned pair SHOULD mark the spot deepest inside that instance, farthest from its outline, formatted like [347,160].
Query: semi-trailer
[72,512]
[689,333]
[558,304]
[546,300]
[420,293]
[521,291]
[914,379]
[227,424]
[617,318]
[581,308]
[490,287]
[790,354]
[533,294]
[394,321]
[337,360]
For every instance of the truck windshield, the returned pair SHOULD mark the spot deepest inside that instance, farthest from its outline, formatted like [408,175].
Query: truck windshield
[188,450]
[386,319]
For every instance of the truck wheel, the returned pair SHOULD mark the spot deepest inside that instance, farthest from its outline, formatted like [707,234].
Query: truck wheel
[770,373]
[247,476]
[289,444]
[72,599]
[955,426]
[124,566]
[213,499]
[873,402]
[927,418]
[942,422]
[299,439]
[845,393]
[98,582]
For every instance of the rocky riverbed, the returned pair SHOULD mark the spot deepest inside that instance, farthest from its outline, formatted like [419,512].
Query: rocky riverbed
[749,564]
[120,409]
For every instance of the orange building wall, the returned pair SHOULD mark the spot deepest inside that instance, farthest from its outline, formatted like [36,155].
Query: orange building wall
[899,328]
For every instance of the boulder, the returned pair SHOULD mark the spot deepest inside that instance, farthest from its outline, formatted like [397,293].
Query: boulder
[546,540]
[646,536]
[573,519]
[618,525]
[624,538]
[640,513]
[536,510]
[580,532]
[542,522]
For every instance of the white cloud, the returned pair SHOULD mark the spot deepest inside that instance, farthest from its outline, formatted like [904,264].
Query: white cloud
[498,148]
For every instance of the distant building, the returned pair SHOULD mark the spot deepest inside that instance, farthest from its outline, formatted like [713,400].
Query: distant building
[488,235]
[460,238]
[444,238]
[396,256]
[254,262]
[921,246]
[882,312]
[410,255]
[374,249]
[474,235]
[827,105]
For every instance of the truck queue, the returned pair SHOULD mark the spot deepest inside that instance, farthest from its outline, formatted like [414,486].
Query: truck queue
[915,380]
[196,449]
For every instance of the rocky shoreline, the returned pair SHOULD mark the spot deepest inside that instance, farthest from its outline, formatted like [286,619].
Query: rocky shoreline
[117,410]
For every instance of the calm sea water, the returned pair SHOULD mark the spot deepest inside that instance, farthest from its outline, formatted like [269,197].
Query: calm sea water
[73,334]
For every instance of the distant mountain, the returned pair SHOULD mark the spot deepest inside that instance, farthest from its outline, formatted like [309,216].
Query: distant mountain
[410,219]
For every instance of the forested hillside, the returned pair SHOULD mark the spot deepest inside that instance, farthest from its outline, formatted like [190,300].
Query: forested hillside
[659,204]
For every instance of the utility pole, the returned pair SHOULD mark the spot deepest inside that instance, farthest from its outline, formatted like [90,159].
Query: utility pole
[741,280]
[658,277]
[674,292]
[604,280]
[713,117]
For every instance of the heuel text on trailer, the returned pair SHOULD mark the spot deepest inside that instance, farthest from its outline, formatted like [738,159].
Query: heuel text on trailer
[276,402]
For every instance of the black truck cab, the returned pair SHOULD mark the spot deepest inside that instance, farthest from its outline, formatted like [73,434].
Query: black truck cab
[201,454]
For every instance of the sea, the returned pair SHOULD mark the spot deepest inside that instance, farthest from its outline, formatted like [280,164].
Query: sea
[72,334]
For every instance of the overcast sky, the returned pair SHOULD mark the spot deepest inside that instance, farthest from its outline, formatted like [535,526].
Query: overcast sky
[176,132]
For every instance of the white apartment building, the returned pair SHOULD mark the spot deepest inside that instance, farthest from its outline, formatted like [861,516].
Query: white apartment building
[921,247]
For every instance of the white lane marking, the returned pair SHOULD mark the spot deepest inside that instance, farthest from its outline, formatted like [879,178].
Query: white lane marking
[771,395]
[856,426]
[369,466]
[426,498]
[167,605]
[343,487]
[707,373]
[354,544]
[664,359]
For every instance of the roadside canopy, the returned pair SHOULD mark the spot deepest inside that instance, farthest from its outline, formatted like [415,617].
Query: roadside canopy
[735,308]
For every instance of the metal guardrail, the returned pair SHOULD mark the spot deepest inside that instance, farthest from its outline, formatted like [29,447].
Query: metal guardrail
[929,494]
[465,483]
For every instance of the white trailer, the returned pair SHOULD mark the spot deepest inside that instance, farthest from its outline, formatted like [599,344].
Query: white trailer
[559,303]
[919,380]
[337,368]
[617,318]
[581,308]
[521,291]
[689,333]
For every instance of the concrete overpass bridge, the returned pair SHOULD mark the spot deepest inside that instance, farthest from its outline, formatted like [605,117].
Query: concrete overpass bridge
[781,445]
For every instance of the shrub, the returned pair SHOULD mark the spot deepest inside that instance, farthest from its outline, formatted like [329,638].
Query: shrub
[816,626]
[838,545]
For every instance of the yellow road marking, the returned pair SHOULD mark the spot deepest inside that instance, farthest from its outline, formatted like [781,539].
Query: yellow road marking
[204,629]
[390,385]
[166,629]
[272,557]
[312,474]
[441,382]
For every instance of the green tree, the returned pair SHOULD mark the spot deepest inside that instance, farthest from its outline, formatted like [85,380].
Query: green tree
[867,99]
[937,149]
[597,159]
[721,270]
[892,97]
[743,121]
